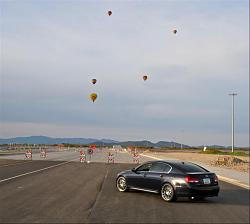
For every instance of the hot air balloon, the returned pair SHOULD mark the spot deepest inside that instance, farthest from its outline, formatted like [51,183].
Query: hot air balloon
[93,81]
[174,31]
[93,97]
[145,77]
[109,13]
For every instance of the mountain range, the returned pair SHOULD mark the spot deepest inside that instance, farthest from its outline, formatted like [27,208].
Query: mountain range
[85,141]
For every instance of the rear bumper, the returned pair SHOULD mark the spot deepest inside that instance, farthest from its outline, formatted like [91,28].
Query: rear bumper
[209,191]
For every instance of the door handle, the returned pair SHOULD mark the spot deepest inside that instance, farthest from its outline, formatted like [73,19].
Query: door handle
[161,175]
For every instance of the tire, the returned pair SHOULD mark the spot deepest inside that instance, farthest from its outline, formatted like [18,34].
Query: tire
[121,184]
[168,193]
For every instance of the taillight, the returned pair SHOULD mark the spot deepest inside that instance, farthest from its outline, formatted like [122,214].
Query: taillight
[215,178]
[189,179]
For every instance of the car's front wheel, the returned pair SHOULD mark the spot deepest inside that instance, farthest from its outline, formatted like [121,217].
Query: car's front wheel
[168,193]
[121,183]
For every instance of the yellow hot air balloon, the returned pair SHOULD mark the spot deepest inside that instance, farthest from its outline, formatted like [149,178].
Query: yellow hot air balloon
[174,31]
[93,97]
[145,77]
[94,81]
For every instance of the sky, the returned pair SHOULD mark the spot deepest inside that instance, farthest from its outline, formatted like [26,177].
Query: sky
[50,51]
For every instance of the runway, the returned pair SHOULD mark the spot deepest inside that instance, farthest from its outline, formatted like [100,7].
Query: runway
[74,192]
[67,155]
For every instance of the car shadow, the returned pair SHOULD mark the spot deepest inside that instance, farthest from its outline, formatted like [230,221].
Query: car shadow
[226,197]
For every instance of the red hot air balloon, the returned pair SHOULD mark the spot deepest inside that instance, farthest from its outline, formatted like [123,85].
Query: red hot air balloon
[109,13]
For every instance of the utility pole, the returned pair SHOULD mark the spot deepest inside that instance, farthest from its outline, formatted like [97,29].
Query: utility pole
[181,137]
[233,95]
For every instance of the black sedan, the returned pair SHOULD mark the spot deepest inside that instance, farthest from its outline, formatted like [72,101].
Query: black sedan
[172,179]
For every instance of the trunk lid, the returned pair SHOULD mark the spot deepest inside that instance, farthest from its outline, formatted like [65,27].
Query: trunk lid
[204,178]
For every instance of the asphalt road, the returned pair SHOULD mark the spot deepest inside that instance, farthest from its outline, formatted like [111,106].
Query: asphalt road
[85,193]
[97,156]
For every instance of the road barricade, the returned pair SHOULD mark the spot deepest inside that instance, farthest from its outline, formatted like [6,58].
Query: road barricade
[90,153]
[28,154]
[82,156]
[111,158]
[136,158]
[43,153]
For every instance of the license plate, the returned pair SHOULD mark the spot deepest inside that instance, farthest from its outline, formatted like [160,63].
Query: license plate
[206,181]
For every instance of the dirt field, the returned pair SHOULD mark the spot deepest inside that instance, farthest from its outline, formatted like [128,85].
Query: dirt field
[210,159]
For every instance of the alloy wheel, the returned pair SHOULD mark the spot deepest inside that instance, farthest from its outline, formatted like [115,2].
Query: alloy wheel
[121,184]
[167,192]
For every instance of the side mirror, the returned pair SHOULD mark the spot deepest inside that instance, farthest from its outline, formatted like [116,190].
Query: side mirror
[133,170]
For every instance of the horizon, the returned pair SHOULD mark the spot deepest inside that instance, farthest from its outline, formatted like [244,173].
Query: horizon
[119,141]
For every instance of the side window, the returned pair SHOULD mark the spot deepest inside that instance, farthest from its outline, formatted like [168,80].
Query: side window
[160,167]
[145,167]
[175,170]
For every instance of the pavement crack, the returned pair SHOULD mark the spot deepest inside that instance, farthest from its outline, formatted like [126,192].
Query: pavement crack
[91,208]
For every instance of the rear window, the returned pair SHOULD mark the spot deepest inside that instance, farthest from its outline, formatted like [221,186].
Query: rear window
[190,168]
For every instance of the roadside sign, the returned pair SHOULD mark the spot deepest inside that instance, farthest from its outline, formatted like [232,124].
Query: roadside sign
[93,147]
[90,151]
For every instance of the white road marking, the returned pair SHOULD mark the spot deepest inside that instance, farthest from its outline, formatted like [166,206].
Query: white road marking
[35,171]
[151,157]
[233,181]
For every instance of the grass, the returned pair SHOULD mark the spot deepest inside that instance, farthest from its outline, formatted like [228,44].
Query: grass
[218,152]
[175,148]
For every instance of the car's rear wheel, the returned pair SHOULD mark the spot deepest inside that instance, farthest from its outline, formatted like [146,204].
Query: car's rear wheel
[168,193]
[121,183]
